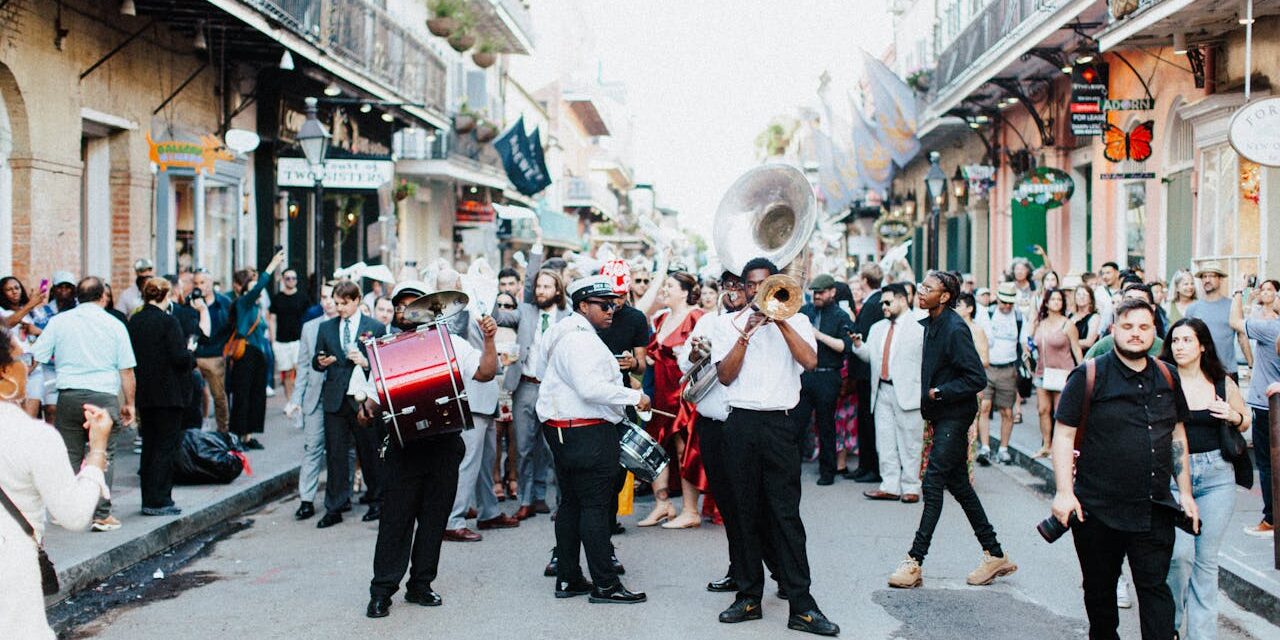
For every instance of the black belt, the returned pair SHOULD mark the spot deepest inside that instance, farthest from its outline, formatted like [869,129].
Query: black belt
[825,369]
[1005,366]
[886,382]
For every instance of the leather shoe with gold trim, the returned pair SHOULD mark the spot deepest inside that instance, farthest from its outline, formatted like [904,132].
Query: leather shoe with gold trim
[812,621]
[742,610]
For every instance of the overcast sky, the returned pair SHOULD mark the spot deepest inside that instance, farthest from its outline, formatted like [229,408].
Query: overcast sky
[705,77]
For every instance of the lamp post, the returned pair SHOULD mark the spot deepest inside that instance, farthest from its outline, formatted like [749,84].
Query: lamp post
[935,183]
[314,140]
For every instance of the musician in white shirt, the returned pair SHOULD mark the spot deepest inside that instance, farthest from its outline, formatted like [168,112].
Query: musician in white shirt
[761,374]
[580,403]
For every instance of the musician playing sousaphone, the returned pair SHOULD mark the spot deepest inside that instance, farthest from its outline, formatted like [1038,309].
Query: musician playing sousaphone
[421,480]
[580,404]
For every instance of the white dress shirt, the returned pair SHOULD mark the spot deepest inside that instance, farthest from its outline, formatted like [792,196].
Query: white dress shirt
[770,377]
[715,404]
[352,329]
[581,379]
[535,365]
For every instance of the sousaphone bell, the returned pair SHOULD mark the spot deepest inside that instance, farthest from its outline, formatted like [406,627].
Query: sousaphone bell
[435,307]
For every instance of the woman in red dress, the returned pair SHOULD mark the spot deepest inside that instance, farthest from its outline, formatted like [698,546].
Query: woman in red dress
[671,331]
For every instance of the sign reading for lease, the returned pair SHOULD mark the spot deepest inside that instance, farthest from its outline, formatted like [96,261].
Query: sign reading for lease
[1088,95]
[1255,131]
[338,174]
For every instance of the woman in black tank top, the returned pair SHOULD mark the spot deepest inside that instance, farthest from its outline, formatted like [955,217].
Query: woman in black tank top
[1214,400]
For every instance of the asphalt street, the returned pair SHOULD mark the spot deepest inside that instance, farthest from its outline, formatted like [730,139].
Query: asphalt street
[277,578]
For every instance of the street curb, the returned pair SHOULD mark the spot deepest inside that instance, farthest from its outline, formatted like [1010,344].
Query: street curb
[88,573]
[1231,580]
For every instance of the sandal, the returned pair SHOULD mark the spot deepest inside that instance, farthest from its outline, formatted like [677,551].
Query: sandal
[662,511]
[511,489]
[500,492]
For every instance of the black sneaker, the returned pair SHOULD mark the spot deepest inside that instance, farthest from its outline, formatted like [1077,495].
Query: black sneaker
[570,588]
[984,457]
[826,481]
[252,444]
[812,621]
[742,610]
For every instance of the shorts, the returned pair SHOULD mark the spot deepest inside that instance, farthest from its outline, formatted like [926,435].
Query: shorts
[286,355]
[1002,386]
[42,385]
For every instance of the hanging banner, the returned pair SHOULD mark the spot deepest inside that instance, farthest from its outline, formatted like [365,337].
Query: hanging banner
[1088,98]
[522,159]
[1255,132]
[338,173]
[895,112]
[200,156]
[1045,186]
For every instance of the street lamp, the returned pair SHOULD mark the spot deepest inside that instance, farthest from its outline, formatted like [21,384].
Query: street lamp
[935,183]
[314,140]
[959,187]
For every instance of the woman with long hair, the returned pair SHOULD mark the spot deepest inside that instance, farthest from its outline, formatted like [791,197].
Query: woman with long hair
[1058,343]
[246,382]
[680,292]
[1022,275]
[1184,293]
[710,300]
[15,304]
[1088,323]
[1048,280]
[1214,400]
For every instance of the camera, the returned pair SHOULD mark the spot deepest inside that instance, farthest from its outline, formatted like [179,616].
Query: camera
[1051,528]
[195,293]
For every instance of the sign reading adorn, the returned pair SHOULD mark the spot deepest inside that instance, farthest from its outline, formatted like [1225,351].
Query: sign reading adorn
[1128,175]
[1255,132]
[1088,95]
[338,174]
[200,156]
[1129,104]
[892,229]
[1045,186]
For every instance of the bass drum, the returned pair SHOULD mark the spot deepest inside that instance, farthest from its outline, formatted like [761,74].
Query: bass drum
[641,454]
[419,384]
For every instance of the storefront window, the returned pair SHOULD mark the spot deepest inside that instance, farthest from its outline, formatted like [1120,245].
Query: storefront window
[215,236]
[1135,222]
[1228,227]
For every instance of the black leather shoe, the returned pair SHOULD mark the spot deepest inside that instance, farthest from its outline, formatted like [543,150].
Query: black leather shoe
[305,510]
[552,566]
[617,595]
[329,520]
[741,610]
[379,607]
[782,593]
[617,528]
[571,588]
[425,598]
[372,514]
[826,481]
[724,585]
[617,564]
[346,508]
[812,621]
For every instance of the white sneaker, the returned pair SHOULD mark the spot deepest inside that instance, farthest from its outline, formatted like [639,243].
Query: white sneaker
[1004,456]
[271,393]
[1122,594]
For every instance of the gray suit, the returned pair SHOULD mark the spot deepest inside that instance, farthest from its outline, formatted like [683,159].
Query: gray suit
[306,392]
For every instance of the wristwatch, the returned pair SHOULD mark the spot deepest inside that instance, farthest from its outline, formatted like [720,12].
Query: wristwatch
[937,394]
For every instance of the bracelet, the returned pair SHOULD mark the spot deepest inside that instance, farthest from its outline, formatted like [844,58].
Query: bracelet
[744,341]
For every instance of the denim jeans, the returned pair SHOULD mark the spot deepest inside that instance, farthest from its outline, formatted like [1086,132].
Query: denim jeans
[1193,573]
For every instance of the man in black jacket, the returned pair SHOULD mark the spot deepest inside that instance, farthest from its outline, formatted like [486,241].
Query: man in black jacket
[951,378]
[868,470]
[820,388]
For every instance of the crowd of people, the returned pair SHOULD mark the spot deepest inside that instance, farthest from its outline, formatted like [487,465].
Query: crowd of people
[881,379]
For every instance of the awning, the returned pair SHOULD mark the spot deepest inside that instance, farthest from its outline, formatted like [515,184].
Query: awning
[1155,23]
[451,170]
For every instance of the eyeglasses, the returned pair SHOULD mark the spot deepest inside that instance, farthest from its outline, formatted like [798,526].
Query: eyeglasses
[924,288]
[400,308]
[605,305]
[504,305]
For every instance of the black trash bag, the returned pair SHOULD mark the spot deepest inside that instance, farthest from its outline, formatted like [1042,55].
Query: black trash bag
[208,457]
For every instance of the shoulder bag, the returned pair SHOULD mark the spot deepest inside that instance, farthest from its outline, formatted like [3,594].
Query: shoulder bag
[1233,447]
[48,575]
[237,343]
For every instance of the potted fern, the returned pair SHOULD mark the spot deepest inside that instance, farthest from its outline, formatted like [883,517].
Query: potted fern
[486,131]
[485,55]
[463,37]
[465,120]
[444,16]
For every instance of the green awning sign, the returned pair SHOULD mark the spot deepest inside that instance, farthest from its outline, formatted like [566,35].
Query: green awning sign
[1044,186]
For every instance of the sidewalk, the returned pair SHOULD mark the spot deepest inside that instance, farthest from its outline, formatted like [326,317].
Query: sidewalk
[84,559]
[1247,573]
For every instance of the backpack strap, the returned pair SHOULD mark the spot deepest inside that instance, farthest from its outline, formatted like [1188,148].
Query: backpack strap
[1164,371]
[1090,377]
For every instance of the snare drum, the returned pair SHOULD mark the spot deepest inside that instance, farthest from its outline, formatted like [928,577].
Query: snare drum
[419,384]
[641,454]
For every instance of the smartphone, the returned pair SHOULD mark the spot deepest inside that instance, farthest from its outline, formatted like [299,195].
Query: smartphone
[44,285]
[1031,248]
[279,248]
[1252,282]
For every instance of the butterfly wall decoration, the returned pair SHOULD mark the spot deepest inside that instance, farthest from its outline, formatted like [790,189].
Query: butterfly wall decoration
[1135,145]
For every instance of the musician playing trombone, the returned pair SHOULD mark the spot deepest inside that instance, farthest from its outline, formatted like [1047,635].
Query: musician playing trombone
[759,361]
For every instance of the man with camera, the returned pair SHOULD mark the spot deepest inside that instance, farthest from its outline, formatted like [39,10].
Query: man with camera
[1124,413]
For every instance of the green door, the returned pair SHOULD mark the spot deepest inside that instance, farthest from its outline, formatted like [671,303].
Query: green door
[958,242]
[1028,229]
[1177,233]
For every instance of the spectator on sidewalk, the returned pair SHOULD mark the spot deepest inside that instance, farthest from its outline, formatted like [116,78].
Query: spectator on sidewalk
[1215,309]
[42,388]
[1058,344]
[245,383]
[165,361]
[109,302]
[35,479]
[16,304]
[1184,294]
[1214,402]
[509,282]
[384,311]
[306,403]
[1088,322]
[209,359]
[1106,343]
[131,299]
[95,364]
[1004,343]
[870,278]
[287,307]
[1265,373]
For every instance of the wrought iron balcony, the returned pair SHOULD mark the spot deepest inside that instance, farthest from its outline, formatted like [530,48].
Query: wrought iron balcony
[586,193]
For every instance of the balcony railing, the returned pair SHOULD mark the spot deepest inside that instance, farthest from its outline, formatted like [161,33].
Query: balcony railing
[583,192]
[997,21]
[367,38]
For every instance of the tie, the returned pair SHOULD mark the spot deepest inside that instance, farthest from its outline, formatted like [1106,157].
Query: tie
[546,322]
[346,334]
[884,360]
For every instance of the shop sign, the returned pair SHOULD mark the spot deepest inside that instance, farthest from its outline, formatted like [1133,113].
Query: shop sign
[1088,95]
[892,229]
[474,212]
[338,173]
[1045,186]
[200,156]
[981,178]
[1255,132]
[1129,104]
[1128,175]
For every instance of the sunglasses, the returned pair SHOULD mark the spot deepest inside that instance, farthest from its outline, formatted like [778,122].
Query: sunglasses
[503,305]
[886,303]
[291,278]
[641,281]
[605,305]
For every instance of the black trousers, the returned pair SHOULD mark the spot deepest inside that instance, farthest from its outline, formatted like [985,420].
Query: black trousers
[764,472]
[1262,459]
[192,413]
[1102,550]
[586,463]
[819,392]
[161,431]
[420,488]
[247,388]
[712,442]
[340,429]
[948,469]
[868,459]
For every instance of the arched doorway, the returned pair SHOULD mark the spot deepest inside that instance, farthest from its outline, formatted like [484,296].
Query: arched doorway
[6,188]
[15,178]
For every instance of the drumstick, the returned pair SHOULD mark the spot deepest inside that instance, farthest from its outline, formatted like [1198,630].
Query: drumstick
[663,413]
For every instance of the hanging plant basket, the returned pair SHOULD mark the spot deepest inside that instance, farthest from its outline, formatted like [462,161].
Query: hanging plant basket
[461,41]
[405,190]
[464,122]
[442,27]
[1122,8]
[486,131]
[484,59]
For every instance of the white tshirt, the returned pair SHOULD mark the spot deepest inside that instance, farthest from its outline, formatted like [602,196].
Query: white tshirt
[770,377]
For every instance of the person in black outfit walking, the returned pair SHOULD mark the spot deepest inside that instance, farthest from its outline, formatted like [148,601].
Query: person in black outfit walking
[164,384]
[820,388]
[871,312]
[951,377]
[1134,443]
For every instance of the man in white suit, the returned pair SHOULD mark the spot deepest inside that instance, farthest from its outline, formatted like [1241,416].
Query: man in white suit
[894,349]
